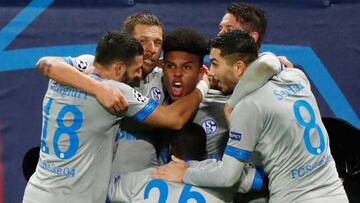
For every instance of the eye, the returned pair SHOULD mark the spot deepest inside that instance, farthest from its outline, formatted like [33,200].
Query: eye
[158,43]
[142,41]
[168,66]
[187,67]
[213,65]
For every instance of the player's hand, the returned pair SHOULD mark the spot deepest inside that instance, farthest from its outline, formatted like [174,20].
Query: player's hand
[173,171]
[285,61]
[214,83]
[204,73]
[203,84]
[111,98]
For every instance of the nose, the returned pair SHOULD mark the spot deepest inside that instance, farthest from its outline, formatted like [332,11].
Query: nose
[149,47]
[221,31]
[138,74]
[178,72]
[211,72]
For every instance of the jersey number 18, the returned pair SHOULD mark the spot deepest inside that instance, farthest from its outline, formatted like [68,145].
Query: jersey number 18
[62,130]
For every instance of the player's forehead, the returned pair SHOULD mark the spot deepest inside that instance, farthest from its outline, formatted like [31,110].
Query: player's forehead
[215,55]
[181,57]
[152,32]
[229,20]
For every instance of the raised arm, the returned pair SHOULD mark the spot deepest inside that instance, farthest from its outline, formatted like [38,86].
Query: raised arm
[57,69]
[255,76]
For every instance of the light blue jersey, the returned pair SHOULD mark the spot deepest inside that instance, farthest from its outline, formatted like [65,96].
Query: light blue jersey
[140,187]
[77,144]
[135,142]
[280,121]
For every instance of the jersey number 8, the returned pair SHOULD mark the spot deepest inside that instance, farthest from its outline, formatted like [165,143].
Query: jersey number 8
[309,125]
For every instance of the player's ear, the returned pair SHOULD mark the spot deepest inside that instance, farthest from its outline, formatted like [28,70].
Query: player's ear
[255,35]
[119,68]
[203,70]
[239,68]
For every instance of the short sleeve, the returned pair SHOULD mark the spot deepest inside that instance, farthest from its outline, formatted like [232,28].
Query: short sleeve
[140,106]
[245,128]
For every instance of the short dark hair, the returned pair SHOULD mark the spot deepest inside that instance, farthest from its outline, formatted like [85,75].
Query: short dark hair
[250,17]
[187,40]
[143,18]
[189,143]
[117,46]
[236,45]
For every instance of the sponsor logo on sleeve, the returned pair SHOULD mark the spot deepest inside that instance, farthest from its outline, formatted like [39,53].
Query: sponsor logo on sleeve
[235,136]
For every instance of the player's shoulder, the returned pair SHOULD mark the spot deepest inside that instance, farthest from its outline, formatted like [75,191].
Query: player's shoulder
[81,62]
[250,104]
[290,75]
[214,97]
[115,83]
[155,74]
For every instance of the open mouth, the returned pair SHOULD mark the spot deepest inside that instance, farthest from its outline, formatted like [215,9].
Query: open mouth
[149,60]
[176,89]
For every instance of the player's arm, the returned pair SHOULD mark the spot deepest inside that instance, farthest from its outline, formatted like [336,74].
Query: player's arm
[252,179]
[242,140]
[246,125]
[58,69]
[255,76]
[173,116]
[223,173]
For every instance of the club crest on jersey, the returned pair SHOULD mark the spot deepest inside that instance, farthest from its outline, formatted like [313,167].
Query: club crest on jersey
[139,97]
[210,126]
[235,136]
[155,94]
[81,64]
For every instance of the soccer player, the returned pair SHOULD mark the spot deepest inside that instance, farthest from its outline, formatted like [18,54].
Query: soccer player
[187,143]
[135,150]
[251,19]
[280,120]
[78,133]
[184,51]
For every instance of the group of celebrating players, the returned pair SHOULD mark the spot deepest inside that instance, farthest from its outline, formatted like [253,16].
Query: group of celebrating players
[127,126]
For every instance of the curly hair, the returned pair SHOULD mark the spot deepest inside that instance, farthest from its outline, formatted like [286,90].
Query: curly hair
[187,40]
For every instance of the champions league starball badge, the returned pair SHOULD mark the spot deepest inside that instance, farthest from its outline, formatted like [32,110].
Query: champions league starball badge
[81,64]
[139,97]
[210,126]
